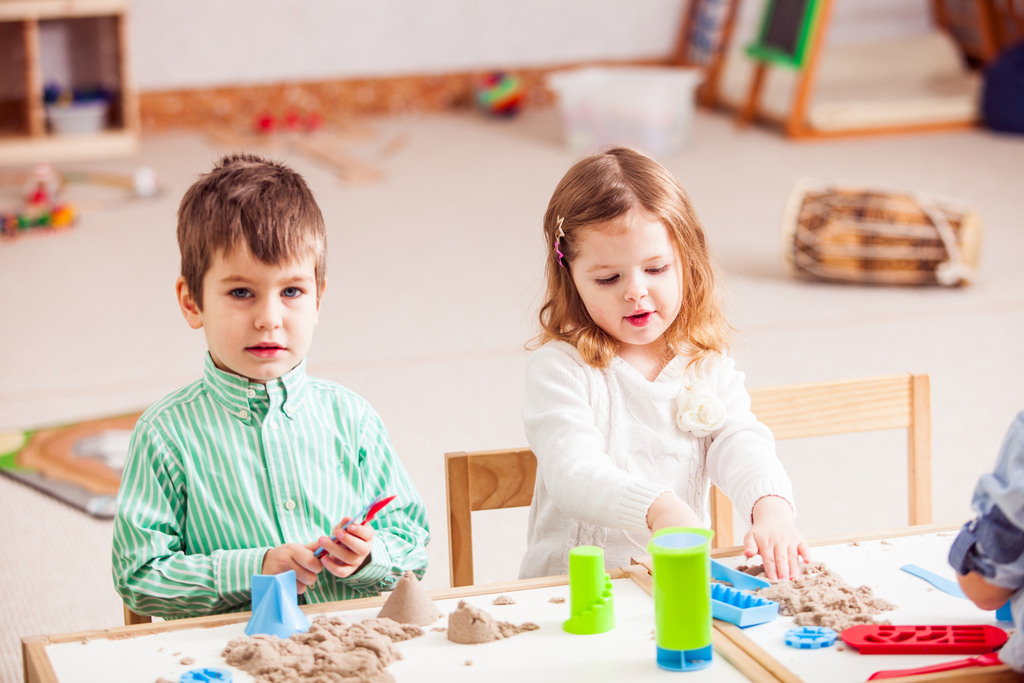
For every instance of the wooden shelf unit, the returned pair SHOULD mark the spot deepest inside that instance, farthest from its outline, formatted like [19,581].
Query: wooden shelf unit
[24,137]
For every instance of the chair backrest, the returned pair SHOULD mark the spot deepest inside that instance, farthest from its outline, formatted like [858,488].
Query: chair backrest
[793,411]
[491,480]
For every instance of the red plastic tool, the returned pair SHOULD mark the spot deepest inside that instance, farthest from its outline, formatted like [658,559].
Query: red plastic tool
[990,659]
[877,639]
[372,509]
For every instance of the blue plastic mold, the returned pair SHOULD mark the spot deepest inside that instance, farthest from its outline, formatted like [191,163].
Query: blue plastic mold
[739,580]
[207,676]
[684,660]
[810,637]
[740,608]
[1004,613]
[275,606]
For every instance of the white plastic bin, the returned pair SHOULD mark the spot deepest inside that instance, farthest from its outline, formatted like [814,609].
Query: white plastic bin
[650,108]
[78,118]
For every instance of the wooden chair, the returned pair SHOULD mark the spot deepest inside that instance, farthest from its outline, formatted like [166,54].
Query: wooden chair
[131,618]
[491,480]
[793,411]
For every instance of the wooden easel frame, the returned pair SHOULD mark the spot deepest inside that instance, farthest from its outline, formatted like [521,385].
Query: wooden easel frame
[707,92]
[795,125]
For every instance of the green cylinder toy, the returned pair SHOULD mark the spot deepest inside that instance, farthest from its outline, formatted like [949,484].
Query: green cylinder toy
[682,597]
[590,593]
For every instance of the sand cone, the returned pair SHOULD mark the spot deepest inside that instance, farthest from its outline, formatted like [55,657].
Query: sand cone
[410,604]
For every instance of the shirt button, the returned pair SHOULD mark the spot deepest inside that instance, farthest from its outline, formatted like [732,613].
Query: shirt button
[289,505]
[243,414]
[252,393]
[273,425]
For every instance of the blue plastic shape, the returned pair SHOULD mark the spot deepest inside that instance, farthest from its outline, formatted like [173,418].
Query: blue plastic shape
[943,584]
[207,676]
[1004,613]
[684,660]
[275,606]
[739,580]
[740,608]
[810,637]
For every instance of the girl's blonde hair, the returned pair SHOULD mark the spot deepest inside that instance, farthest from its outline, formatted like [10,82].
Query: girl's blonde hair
[599,189]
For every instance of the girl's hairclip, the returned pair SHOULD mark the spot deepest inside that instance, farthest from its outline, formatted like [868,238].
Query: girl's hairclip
[559,236]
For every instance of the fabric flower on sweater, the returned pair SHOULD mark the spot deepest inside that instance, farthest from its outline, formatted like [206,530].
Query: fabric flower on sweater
[698,410]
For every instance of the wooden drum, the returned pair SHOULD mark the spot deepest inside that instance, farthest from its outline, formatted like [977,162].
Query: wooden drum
[871,236]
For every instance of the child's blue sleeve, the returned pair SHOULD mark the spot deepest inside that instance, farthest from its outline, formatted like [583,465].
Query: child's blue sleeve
[993,543]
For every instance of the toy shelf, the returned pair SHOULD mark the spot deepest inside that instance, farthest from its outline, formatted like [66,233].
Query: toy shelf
[90,50]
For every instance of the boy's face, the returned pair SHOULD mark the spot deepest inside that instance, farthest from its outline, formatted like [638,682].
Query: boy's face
[258,318]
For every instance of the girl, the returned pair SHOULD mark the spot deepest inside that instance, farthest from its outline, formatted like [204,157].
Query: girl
[631,405]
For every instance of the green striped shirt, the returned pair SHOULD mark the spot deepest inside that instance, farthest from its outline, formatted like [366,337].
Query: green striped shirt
[223,470]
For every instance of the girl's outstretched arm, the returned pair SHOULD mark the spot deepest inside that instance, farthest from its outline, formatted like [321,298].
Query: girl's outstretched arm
[775,537]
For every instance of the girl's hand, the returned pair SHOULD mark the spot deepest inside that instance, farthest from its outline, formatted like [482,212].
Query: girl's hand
[350,553]
[776,539]
[669,510]
[297,557]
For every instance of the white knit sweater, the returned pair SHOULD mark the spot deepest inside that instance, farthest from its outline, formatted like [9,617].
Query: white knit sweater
[607,445]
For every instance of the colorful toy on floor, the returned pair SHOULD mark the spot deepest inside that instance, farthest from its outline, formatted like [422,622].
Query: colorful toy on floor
[884,639]
[590,593]
[810,637]
[367,513]
[990,659]
[275,606]
[681,573]
[499,95]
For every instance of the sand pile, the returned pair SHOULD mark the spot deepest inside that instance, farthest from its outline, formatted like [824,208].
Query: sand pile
[409,603]
[471,625]
[820,597]
[329,652]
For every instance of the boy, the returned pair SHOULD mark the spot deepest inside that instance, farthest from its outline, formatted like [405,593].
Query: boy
[245,471]
[988,553]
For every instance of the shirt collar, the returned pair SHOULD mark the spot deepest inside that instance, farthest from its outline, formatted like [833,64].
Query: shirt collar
[232,391]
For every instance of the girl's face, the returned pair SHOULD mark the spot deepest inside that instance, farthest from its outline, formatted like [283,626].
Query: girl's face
[628,275]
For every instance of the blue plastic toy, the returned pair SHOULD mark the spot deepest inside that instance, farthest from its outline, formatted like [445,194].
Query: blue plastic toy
[948,587]
[275,606]
[739,580]
[742,609]
[207,676]
[810,637]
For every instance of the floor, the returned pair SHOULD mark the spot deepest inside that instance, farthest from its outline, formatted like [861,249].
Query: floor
[434,279]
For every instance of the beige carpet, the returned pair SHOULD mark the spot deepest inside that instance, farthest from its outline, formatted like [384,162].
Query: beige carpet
[433,285]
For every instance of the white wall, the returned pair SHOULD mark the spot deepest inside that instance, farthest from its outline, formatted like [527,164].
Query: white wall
[180,44]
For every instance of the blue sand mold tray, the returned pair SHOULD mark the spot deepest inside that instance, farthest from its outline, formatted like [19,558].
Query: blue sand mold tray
[739,580]
[810,637]
[733,604]
[742,609]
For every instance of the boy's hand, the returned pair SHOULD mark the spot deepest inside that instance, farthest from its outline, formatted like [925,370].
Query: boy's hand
[776,539]
[350,553]
[669,510]
[985,595]
[297,557]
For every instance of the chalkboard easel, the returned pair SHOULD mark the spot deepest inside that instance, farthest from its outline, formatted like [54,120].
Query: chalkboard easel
[789,36]
[787,28]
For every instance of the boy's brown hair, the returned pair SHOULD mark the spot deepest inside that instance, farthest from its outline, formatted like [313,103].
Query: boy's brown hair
[253,201]
[595,192]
